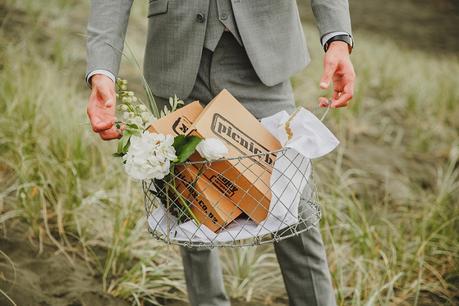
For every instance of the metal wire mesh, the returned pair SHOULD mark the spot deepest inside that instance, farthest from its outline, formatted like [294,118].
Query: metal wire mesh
[233,202]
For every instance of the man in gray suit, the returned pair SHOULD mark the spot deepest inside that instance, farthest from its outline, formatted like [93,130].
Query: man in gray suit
[195,48]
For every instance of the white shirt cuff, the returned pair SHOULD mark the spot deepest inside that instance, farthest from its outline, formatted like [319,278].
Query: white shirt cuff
[326,37]
[100,71]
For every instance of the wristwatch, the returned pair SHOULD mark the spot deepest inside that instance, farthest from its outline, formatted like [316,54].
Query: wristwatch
[346,38]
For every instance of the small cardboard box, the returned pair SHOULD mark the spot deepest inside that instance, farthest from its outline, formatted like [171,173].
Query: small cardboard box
[178,122]
[208,204]
[245,181]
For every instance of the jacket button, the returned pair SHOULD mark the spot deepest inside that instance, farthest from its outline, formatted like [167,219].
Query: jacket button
[201,17]
[224,16]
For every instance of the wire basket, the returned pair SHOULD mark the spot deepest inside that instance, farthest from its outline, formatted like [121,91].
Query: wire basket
[233,202]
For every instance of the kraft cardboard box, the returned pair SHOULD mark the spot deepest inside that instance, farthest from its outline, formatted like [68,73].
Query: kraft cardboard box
[178,122]
[208,204]
[246,181]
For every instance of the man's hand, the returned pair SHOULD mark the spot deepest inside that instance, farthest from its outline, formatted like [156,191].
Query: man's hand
[338,68]
[101,107]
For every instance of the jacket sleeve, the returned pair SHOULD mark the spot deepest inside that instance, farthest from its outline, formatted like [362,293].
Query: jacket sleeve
[106,31]
[332,16]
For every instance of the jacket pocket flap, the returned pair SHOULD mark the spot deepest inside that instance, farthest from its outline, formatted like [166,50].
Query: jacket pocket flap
[157,7]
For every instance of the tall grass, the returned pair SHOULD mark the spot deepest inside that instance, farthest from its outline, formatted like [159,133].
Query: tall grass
[61,180]
[389,193]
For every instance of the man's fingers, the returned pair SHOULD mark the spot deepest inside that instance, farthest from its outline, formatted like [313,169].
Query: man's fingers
[344,97]
[342,101]
[329,70]
[101,107]
[109,103]
[324,102]
[106,96]
[98,125]
[99,121]
[101,126]
[104,89]
[338,67]
[110,134]
[336,94]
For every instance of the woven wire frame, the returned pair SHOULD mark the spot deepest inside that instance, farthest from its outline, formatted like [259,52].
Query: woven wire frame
[189,185]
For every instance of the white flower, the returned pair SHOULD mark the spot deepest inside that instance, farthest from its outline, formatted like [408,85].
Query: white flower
[137,120]
[149,156]
[126,100]
[212,149]
[145,116]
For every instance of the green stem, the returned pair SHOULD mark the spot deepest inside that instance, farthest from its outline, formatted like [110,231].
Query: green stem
[131,108]
[151,99]
[180,197]
[168,209]
[200,172]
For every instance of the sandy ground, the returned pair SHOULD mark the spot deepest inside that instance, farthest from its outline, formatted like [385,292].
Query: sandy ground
[234,303]
[47,279]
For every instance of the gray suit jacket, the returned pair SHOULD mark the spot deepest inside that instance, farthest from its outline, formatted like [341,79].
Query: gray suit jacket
[270,30]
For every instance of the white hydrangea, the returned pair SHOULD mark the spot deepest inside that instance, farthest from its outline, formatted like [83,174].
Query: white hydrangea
[149,156]
[137,120]
[147,118]
[212,149]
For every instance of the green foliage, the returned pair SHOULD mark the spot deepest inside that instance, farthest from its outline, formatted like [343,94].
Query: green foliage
[174,104]
[185,146]
[123,144]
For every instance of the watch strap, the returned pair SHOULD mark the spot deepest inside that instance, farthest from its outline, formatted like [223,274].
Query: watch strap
[344,37]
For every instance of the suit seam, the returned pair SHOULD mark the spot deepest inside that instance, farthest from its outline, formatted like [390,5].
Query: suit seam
[311,275]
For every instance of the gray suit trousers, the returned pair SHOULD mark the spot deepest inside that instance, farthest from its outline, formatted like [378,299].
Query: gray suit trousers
[302,258]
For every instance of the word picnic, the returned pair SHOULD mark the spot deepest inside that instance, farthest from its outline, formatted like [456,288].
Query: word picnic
[242,142]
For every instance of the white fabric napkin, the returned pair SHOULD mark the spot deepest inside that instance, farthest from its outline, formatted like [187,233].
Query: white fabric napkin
[311,138]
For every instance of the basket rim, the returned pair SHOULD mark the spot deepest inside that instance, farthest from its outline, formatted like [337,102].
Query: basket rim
[273,237]
[309,218]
